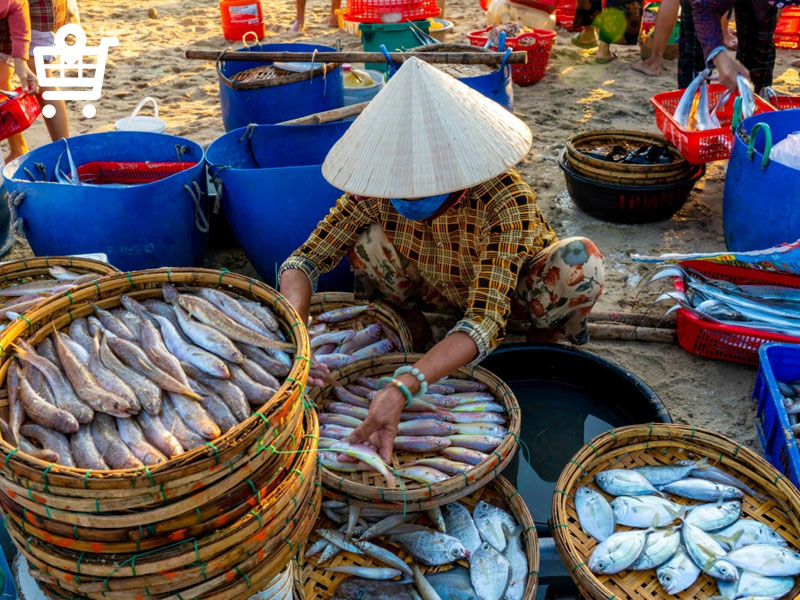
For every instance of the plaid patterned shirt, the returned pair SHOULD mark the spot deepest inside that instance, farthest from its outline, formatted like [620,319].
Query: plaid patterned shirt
[707,15]
[472,254]
[46,15]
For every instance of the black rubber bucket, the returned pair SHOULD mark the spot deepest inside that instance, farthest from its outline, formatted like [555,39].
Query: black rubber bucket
[627,203]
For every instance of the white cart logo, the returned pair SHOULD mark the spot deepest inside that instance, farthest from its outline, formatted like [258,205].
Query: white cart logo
[74,66]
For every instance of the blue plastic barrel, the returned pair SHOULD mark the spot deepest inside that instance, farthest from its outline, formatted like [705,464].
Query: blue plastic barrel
[142,226]
[271,101]
[759,208]
[273,192]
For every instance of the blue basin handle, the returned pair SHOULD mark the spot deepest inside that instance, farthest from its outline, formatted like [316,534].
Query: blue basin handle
[200,219]
[767,143]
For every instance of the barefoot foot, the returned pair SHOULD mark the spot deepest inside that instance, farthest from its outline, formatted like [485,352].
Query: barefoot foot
[648,67]
[296,27]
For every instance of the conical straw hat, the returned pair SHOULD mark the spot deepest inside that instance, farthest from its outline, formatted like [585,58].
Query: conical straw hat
[425,134]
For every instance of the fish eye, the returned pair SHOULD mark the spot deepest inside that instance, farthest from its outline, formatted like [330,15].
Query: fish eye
[456,552]
[667,577]
[601,565]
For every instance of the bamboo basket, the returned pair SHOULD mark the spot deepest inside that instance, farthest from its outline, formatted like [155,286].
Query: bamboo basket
[393,326]
[657,444]
[369,488]
[320,584]
[201,523]
[623,173]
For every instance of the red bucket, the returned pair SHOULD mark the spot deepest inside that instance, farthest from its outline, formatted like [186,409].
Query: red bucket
[17,115]
[538,44]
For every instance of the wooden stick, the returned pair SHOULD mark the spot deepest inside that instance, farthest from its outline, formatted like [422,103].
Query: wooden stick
[328,116]
[614,331]
[456,58]
[635,319]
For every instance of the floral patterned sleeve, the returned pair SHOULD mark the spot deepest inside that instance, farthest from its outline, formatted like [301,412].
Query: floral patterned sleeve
[333,237]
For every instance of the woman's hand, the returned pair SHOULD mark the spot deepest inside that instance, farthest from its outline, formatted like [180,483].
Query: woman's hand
[27,77]
[729,69]
[380,426]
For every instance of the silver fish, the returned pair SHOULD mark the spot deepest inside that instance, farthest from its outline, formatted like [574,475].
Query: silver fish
[365,337]
[710,517]
[700,489]
[684,108]
[488,429]
[432,549]
[262,313]
[426,590]
[356,588]
[423,427]
[453,584]
[753,585]
[329,553]
[707,553]
[660,547]
[594,513]
[678,573]
[422,474]
[367,572]
[382,555]
[645,511]
[618,552]
[766,559]
[493,523]
[662,475]
[482,443]
[207,337]
[420,443]
[339,539]
[519,566]
[720,476]
[234,309]
[748,94]
[459,524]
[622,482]
[489,572]
[316,548]
[436,517]
[387,524]
[747,532]
[379,348]
[705,120]
[332,337]
[464,385]
[450,467]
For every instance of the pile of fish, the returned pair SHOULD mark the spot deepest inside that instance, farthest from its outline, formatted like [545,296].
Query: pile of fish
[694,112]
[145,382]
[488,539]
[767,308]
[335,345]
[746,557]
[790,392]
[457,419]
[19,298]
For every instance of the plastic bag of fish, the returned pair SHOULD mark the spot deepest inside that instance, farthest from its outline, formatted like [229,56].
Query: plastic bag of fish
[488,540]
[143,383]
[457,422]
[745,557]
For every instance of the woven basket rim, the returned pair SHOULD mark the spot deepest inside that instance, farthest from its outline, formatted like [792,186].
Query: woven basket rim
[623,135]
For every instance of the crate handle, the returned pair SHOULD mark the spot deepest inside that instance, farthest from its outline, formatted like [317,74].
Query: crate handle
[246,39]
[767,143]
[501,41]
[737,114]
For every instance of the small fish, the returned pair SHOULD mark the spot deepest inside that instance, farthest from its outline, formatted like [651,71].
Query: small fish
[678,573]
[262,313]
[147,392]
[660,547]
[487,429]
[368,456]
[382,573]
[382,555]
[684,108]
[444,416]
[132,435]
[711,517]
[356,588]
[482,443]
[701,489]
[751,586]
[195,416]
[231,394]
[387,524]
[379,348]
[405,443]
[489,573]
[618,552]
[174,423]
[432,549]
[622,482]
[332,337]
[747,532]
[450,467]
[315,548]
[595,514]
[107,379]
[472,397]
[42,412]
[338,538]
[110,445]
[369,383]
[341,408]
[345,395]
[644,511]
[44,454]
[426,590]
[488,417]
[158,435]
[365,337]
[84,451]
[341,420]
[273,366]
[422,474]
[492,523]
[341,314]
[207,337]
[16,413]
[363,392]
[50,440]
[720,476]
[189,353]
[453,584]
[335,431]
[236,310]
[113,324]
[329,553]
[425,427]
[459,524]
[465,455]
[765,559]
[662,475]
[464,385]
[255,392]
[706,553]
[330,461]
[479,408]
[43,286]
[519,565]
[439,400]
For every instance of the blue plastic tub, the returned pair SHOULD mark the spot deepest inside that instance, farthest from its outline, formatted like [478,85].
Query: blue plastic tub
[141,226]
[760,197]
[777,362]
[264,102]
[273,192]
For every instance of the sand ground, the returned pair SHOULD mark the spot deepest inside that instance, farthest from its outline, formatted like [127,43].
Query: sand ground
[577,94]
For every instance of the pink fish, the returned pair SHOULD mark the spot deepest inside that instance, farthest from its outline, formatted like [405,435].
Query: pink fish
[420,443]
[426,427]
[464,455]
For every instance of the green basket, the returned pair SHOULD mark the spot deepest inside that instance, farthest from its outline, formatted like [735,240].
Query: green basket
[397,37]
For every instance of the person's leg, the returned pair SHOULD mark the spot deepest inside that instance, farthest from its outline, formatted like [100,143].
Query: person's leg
[333,20]
[665,23]
[558,289]
[585,14]
[300,17]
[604,53]
[756,49]
[691,59]
[16,142]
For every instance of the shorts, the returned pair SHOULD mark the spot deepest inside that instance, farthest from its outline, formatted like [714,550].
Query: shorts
[38,39]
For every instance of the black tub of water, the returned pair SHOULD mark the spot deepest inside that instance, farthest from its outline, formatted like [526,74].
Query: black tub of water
[566,397]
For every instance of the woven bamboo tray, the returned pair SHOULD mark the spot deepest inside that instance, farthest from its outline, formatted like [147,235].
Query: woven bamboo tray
[458,71]
[393,326]
[370,488]
[657,444]
[320,584]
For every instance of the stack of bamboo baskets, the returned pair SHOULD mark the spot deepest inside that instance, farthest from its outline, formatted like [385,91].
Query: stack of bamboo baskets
[218,522]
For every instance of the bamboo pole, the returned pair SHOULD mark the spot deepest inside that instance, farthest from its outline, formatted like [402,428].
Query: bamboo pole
[328,116]
[455,58]
[615,331]
[635,319]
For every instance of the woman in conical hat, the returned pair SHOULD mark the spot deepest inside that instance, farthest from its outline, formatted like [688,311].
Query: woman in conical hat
[435,217]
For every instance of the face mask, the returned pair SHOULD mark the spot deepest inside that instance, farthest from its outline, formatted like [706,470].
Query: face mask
[421,209]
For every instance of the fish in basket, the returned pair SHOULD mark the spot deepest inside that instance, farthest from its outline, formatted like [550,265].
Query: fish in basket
[156,437]
[451,441]
[670,510]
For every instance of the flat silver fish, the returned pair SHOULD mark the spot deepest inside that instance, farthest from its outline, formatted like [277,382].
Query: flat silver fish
[701,489]
[519,566]
[645,511]
[664,474]
[382,555]
[367,572]
[595,514]
[624,482]
[747,532]
[710,517]
[660,547]
[493,523]
[432,549]
[707,553]
[678,573]
[459,523]
[489,572]
[766,559]
[618,552]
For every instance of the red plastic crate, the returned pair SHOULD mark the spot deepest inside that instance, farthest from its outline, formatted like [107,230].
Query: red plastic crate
[18,114]
[538,44]
[130,173]
[565,14]
[787,32]
[700,146]
[784,102]
[390,11]
[727,342]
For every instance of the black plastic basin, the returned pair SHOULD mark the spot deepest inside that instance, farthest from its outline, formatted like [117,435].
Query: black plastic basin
[567,397]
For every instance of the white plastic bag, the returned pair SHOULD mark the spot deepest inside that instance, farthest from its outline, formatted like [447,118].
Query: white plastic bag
[787,151]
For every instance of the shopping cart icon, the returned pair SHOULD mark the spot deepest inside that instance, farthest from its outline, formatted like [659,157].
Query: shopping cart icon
[73,66]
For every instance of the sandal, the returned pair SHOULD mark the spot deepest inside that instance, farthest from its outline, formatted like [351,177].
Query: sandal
[576,41]
[605,61]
